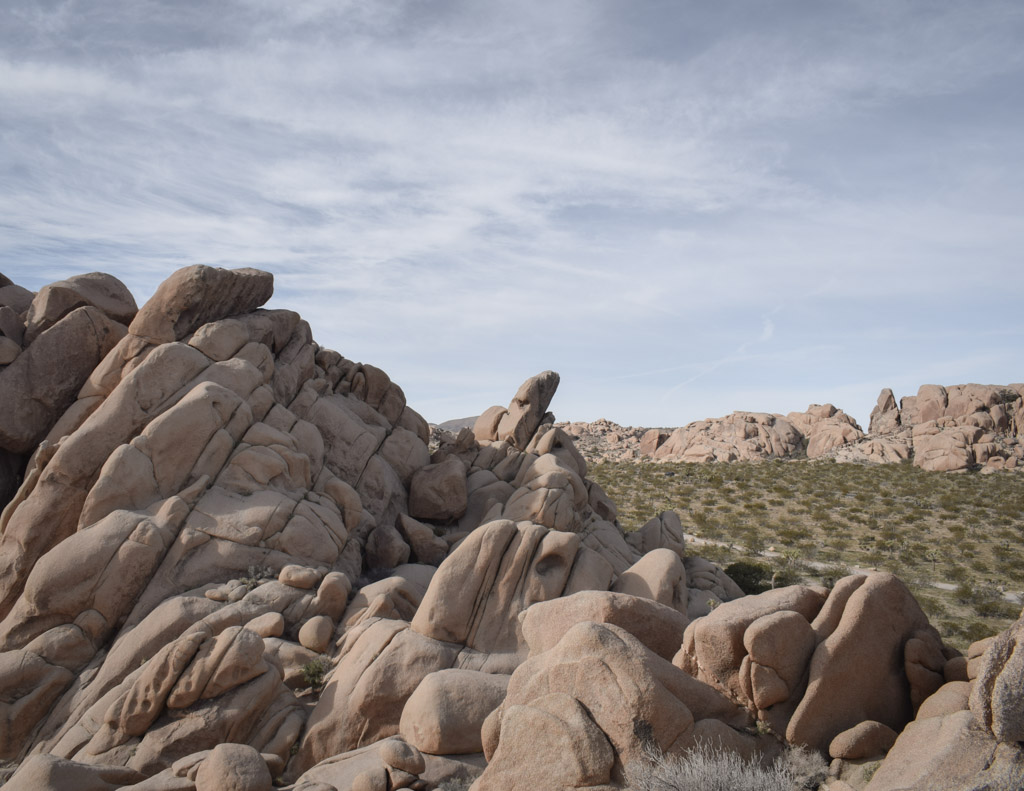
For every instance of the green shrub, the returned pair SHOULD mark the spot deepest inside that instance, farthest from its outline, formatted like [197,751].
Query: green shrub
[313,672]
[750,576]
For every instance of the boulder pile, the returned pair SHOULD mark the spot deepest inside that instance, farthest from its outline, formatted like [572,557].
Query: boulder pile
[230,559]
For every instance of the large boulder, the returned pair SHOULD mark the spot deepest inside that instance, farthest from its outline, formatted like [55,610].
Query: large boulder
[96,289]
[45,379]
[594,702]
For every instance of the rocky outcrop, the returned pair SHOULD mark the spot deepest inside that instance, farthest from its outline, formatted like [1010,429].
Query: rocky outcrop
[234,557]
[50,342]
[940,429]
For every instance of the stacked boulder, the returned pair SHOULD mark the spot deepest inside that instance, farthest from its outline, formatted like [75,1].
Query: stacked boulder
[755,436]
[234,561]
[50,342]
[954,428]
[214,513]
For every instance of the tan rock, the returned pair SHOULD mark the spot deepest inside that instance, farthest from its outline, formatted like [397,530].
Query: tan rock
[446,712]
[300,577]
[660,576]
[867,739]
[845,686]
[659,627]
[196,295]
[486,427]
[996,697]
[713,647]
[401,755]
[438,491]
[527,409]
[382,663]
[233,767]
[500,570]
[937,753]
[385,548]
[46,772]
[553,742]
[425,545]
[316,633]
[743,436]
[591,664]
[44,380]
[96,289]
[951,697]
[885,417]
[651,441]
[663,531]
[15,297]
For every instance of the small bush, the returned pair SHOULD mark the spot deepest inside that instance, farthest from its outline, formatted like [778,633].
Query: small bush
[705,768]
[751,577]
[313,672]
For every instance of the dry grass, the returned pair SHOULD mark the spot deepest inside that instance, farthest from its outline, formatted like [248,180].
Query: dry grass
[816,520]
[705,768]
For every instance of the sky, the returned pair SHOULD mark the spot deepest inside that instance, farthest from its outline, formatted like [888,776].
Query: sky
[685,208]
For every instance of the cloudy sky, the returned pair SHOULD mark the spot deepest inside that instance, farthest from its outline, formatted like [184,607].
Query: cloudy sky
[684,207]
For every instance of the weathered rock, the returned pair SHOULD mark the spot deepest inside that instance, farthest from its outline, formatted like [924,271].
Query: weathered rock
[845,685]
[947,754]
[500,570]
[599,697]
[44,380]
[659,627]
[996,698]
[713,647]
[46,772]
[741,436]
[867,739]
[96,289]
[446,712]
[438,491]
[233,767]
[526,412]
[885,417]
[197,295]
[660,576]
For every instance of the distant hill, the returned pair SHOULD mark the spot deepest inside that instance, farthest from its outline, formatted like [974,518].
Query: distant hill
[457,424]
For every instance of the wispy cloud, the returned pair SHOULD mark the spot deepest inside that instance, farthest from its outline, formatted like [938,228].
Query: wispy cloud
[490,190]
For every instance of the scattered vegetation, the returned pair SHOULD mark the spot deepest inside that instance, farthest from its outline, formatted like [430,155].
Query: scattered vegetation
[780,522]
[314,671]
[460,783]
[257,575]
[709,769]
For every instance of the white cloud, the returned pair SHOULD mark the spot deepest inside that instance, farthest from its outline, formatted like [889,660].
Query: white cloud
[636,198]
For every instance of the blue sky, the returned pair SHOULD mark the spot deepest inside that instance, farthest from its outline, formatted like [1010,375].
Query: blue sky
[684,208]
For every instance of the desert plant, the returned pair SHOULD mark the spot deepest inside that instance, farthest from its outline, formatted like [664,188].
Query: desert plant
[751,577]
[313,672]
[257,575]
[458,783]
[706,768]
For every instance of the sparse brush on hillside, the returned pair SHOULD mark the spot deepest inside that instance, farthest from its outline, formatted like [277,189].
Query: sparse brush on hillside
[706,768]
[956,540]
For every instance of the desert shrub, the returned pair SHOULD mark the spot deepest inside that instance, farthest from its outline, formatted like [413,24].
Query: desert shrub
[807,767]
[313,672]
[706,768]
[750,576]
[459,783]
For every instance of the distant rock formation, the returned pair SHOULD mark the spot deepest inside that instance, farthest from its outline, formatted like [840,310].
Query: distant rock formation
[955,428]
[944,429]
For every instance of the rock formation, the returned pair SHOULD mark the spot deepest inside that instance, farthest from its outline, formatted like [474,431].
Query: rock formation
[230,560]
[941,429]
